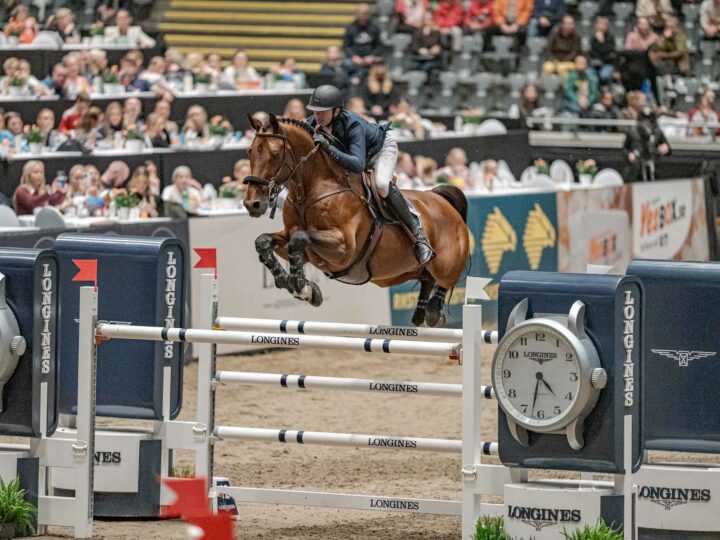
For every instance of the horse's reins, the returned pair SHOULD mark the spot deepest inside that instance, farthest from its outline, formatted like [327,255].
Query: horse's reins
[274,185]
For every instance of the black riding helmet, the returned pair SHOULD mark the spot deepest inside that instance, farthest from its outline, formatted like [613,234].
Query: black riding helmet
[325,98]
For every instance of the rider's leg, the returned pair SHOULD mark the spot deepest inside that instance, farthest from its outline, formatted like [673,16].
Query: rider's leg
[384,170]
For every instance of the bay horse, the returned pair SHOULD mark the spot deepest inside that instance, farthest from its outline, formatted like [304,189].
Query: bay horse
[329,222]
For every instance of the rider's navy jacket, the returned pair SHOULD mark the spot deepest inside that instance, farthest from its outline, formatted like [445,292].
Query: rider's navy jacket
[362,139]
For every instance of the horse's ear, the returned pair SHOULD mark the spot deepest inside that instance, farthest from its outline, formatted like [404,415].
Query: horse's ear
[254,122]
[274,123]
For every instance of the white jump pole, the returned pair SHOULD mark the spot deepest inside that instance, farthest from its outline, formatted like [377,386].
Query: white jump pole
[189,335]
[340,329]
[309,382]
[344,439]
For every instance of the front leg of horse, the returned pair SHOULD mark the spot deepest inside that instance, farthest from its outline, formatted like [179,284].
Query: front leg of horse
[265,245]
[298,284]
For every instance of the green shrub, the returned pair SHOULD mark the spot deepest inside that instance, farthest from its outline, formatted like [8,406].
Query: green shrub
[14,508]
[600,531]
[490,528]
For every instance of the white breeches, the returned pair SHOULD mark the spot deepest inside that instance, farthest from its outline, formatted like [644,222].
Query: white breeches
[385,165]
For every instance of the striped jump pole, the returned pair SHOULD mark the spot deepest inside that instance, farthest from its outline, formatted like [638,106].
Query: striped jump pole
[346,330]
[190,335]
[309,382]
[345,439]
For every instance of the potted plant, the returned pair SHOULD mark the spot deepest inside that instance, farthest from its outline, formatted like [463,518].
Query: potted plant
[35,140]
[13,36]
[97,33]
[219,129]
[134,139]
[229,194]
[17,86]
[541,166]
[16,513]
[586,169]
[124,204]
[111,81]
[202,82]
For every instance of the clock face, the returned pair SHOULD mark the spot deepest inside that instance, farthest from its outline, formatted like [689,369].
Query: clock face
[537,375]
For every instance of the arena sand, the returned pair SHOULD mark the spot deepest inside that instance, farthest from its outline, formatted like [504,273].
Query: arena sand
[365,471]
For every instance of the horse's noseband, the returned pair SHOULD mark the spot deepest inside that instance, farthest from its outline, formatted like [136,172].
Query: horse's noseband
[256,180]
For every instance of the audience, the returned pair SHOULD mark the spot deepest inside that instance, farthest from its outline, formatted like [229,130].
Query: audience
[196,125]
[426,46]
[139,185]
[642,37]
[602,50]
[456,170]
[673,48]
[379,92]
[657,12]
[33,191]
[546,15]
[240,73]
[55,82]
[510,18]
[704,113]
[334,65]
[71,117]
[563,47]
[581,88]
[710,19]
[361,44]
[295,109]
[125,34]
[478,16]
[181,199]
[449,16]
[63,22]
[410,14]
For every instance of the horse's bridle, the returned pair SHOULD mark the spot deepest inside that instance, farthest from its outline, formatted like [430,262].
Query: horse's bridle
[275,185]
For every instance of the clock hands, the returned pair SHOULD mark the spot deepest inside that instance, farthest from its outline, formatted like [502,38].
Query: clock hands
[535,395]
[548,387]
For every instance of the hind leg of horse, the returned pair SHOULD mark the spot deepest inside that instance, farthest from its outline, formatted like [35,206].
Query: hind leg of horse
[265,245]
[298,285]
[434,315]
[427,282]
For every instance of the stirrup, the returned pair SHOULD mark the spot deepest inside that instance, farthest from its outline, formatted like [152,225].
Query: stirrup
[424,253]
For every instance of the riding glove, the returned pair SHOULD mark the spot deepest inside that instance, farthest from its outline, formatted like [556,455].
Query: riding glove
[322,141]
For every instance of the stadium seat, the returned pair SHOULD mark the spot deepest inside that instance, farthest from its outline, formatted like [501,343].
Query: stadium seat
[552,91]
[400,43]
[481,97]
[8,217]
[621,24]
[535,51]
[687,90]
[447,101]
[708,51]
[501,58]
[691,28]
[416,81]
[466,62]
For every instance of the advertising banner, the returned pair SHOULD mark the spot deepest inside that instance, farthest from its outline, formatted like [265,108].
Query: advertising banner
[508,232]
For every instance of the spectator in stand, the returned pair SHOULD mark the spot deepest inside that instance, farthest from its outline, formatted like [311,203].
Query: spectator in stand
[21,25]
[426,46]
[240,73]
[426,169]
[163,108]
[174,60]
[410,14]
[546,15]
[76,188]
[334,66]
[98,62]
[107,9]
[71,117]
[602,50]
[241,170]
[10,72]
[529,101]
[489,178]
[563,47]
[88,131]
[113,120]
[406,172]
[153,175]
[710,19]
[361,44]
[405,117]
[449,16]
[478,16]
[581,88]
[604,109]
[125,34]
[113,180]
[657,12]
[295,109]
[196,125]
[45,122]
[644,145]
[128,76]
[704,113]
[642,37]
[154,75]
[181,199]
[75,83]
[13,127]
[510,18]
[132,112]
[213,63]
[456,169]
[636,102]
[63,22]
[639,70]
[379,92]
[673,49]
[33,192]
[55,82]
[357,105]
[140,185]
[288,71]
[155,134]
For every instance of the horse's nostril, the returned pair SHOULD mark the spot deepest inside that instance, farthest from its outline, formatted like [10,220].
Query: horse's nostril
[256,204]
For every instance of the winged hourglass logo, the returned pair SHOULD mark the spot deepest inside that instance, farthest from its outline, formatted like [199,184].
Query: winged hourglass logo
[683,357]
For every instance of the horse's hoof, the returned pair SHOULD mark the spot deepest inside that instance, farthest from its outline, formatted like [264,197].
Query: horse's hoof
[295,284]
[418,317]
[316,300]
[437,321]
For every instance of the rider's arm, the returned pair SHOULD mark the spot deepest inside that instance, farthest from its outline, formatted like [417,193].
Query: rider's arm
[354,161]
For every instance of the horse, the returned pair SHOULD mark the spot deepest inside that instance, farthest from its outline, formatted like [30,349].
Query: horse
[329,221]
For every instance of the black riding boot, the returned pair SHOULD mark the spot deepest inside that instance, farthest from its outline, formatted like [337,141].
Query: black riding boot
[423,251]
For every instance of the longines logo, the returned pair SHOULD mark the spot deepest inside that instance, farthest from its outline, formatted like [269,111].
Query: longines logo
[683,357]
[670,497]
[539,518]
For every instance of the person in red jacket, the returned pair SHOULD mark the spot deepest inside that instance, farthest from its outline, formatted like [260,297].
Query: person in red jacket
[71,117]
[478,16]
[449,15]
[510,18]
[33,192]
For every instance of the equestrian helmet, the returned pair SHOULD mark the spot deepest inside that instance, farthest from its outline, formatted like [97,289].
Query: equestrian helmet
[325,98]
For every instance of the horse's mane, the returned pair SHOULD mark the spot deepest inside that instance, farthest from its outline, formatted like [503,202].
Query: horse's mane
[297,123]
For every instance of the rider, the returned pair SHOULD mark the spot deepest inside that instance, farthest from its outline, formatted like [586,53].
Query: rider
[365,142]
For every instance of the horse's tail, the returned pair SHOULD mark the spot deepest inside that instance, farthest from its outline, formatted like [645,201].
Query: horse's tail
[455,197]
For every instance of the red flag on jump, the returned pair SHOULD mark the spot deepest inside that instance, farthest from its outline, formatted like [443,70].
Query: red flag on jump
[192,498]
[208,258]
[87,270]
[215,527]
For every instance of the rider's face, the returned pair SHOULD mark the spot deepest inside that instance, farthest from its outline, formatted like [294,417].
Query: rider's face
[323,118]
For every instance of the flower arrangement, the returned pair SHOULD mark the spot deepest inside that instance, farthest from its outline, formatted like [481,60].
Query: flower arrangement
[17,82]
[132,133]
[397,123]
[442,178]
[472,119]
[97,29]
[15,32]
[541,166]
[110,76]
[203,78]
[123,200]
[219,126]
[587,166]
[35,136]
[229,191]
